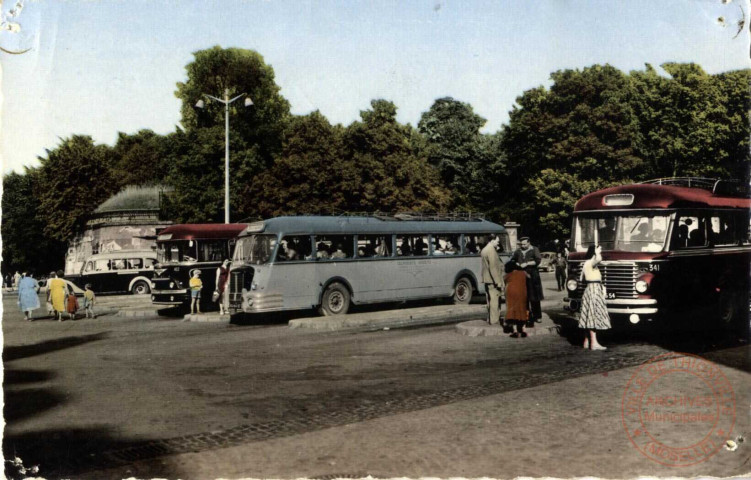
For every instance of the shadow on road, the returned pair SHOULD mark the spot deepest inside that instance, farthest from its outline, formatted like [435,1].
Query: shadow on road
[11,353]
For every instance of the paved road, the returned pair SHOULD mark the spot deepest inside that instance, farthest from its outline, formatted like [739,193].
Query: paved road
[100,393]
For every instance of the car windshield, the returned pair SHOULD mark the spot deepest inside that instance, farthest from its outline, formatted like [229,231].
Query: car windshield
[625,233]
[254,249]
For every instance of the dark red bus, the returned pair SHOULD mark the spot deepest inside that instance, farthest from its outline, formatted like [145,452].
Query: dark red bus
[183,248]
[670,248]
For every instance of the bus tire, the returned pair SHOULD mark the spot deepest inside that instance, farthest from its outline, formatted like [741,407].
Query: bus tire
[463,291]
[140,288]
[335,300]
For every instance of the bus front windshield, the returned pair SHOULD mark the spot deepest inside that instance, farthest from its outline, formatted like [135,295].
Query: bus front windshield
[621,232]
[254,249]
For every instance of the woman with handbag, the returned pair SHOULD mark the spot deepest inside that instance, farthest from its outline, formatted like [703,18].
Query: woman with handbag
[594,311]
[222,277]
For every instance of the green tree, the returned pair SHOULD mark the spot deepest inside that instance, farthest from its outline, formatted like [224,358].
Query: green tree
[140,158]
[72,181]
[309,174]
[393,173]
[235,70]
[25,247]
[452,130]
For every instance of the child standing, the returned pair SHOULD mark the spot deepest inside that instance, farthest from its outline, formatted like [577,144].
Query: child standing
[88,301]
[195,291]
[72,305]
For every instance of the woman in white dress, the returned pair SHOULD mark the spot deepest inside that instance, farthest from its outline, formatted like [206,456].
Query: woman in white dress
[594,311]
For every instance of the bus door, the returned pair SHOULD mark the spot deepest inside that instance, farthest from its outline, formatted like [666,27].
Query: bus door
[411,277]
[374,270]
[294,273]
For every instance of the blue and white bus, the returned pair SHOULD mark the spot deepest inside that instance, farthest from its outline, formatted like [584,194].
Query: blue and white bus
[331,262]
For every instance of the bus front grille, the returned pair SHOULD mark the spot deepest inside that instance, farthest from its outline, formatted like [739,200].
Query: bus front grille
[618,277]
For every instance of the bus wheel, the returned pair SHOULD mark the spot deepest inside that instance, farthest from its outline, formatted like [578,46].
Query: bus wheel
[140,288]
[463,291]
[335,300]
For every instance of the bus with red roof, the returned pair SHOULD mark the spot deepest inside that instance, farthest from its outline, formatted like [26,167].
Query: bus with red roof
[671,248]
[182,249]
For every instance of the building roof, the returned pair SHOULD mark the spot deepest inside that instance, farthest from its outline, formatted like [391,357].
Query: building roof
[132,198]
[660,196]
[196,231]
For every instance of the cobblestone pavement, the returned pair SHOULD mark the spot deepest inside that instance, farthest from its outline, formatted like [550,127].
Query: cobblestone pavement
[88,395]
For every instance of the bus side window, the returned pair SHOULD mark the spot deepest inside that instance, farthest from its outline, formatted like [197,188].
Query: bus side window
[89,266]
[420,245]
[369,246]
[102,265]
[135,263]
[295,248]
[403,246]
[690,232]
[722,229]
[445,244]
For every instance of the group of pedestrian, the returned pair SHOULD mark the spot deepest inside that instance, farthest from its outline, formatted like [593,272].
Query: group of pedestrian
[60,300]
[196,285]
[519,284]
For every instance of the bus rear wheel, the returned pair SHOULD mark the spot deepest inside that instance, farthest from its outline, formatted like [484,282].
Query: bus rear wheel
[463,291]
[140,288]
[335,300]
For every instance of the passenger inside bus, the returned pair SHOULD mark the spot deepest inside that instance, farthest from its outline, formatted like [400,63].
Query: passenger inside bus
[322,251]
[403,247]
[420,247]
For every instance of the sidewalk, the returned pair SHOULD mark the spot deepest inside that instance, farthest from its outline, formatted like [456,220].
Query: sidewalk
[571,428]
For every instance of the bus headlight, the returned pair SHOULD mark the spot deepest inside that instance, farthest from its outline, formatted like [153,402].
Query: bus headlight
[571,285]
[641,286]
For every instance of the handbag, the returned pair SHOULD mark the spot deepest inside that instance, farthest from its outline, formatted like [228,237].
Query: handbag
[215,296]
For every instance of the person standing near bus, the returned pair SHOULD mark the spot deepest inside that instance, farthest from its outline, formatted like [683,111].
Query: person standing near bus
[492,277]
[222,277]
[593,315]
[195,292]
[561,265]
[517,307]
[528,257]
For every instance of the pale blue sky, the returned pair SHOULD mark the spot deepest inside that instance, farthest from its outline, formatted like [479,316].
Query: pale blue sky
[102,67]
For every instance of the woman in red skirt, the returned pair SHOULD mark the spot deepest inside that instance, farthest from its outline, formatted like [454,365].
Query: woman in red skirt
[517,313]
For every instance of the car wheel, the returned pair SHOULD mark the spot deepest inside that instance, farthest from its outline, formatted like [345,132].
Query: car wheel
[140,288]
[462,291]
[335,300]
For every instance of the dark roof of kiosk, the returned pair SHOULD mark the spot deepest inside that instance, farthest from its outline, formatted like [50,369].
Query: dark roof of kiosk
[357,224]
[195,231]
[132,198]
[661,196]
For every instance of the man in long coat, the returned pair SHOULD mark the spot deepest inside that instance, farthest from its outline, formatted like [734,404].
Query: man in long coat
[528,257]
[492,277]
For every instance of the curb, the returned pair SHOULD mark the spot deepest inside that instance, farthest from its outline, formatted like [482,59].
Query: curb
[137,313]
[207,318]
[480,328]
[392,319]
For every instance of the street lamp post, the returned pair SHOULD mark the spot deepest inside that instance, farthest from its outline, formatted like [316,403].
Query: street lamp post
[226,101]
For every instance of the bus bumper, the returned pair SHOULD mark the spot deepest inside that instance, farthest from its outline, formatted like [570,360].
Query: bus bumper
[169,297]
[634,309]
[255,302]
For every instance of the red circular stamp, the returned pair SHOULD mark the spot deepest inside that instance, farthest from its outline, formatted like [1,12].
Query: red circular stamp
[678,409]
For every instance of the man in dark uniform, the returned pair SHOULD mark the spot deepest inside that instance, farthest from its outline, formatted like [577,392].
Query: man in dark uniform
[528,257]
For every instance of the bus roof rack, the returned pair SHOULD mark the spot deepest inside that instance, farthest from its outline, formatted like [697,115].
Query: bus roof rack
[726,188]
[410,216]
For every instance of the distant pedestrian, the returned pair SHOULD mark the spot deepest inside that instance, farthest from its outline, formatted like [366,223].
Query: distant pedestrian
[6,282]
[56,291]
[566,248]
[28,298]
[528,257]
[88,301]
[222,277]
[492,277]
[560,264]
[16,280]
[195,292]
[594,311]
[517,308]
[71,304]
